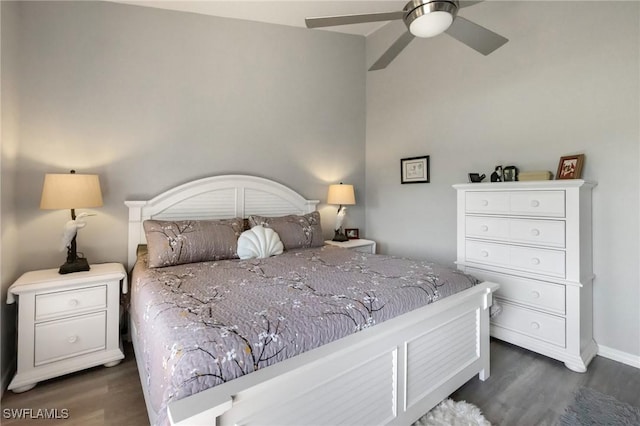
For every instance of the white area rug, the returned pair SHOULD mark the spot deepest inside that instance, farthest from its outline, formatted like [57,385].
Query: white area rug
[452,413]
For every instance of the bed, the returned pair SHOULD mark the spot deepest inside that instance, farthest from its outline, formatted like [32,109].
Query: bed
[390,372]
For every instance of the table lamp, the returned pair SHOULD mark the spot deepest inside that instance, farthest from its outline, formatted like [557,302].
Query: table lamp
[71,191]
[342,195]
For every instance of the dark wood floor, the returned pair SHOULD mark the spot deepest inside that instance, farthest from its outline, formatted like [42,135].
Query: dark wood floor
[524,389]
[529,389]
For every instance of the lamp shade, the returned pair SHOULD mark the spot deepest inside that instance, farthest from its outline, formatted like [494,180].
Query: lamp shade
[341,194]
[70,191]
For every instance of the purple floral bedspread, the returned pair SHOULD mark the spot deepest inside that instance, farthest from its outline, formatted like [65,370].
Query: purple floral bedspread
[202,324]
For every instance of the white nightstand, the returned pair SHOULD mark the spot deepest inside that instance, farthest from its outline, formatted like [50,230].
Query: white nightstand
[67,322]
[360,244]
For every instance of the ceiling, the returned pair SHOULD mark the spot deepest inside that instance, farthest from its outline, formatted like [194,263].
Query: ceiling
[287,12]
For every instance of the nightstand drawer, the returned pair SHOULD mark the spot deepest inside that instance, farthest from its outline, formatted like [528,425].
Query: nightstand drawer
[62,303]
[57,340]
[548,328]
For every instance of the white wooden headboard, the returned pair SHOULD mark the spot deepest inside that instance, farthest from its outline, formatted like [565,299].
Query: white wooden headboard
[216,197]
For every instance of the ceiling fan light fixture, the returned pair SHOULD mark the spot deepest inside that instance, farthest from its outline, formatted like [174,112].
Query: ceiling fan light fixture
[429,19]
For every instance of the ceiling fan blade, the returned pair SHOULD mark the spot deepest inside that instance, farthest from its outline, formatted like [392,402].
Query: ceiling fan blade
[330,21]
[467,3]
[475,36]
[392,51]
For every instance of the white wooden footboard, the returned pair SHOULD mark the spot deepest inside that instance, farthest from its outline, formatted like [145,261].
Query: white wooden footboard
[389,374]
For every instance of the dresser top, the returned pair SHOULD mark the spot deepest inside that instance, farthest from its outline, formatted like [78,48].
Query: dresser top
[529,184]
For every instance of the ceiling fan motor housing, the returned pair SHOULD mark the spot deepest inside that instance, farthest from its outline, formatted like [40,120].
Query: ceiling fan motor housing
[426,18]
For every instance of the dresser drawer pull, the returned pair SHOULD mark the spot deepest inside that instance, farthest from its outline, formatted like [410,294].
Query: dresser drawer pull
[484,203]
[72,339]
[73,302]
[535,203]
[535,232]
[484,228]
[535,294]
[535,325]
[535,261]
[484,253]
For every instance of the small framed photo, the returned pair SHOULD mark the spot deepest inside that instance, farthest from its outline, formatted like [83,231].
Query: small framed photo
[510,174]
[352,233]
[570,167]
[414,169]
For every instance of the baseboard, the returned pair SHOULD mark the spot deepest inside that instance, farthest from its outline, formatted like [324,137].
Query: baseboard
[616,355]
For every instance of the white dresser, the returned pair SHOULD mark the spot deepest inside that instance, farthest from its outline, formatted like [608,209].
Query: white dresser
[534,239]
[66,322]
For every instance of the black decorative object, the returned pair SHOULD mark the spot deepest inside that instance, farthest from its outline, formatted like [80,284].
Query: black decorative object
[496,176]
[476,177]
[510,174]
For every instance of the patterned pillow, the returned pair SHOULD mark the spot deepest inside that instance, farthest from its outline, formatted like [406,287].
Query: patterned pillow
[174,242]
[294,231]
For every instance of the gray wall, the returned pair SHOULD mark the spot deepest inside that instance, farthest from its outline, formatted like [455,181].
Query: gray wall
[9,148]
[149,99]
[567,82]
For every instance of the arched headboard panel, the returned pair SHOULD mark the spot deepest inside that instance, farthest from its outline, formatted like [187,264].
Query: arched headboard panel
[216,197]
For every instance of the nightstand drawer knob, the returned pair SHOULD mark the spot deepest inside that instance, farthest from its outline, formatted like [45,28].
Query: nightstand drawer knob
[535,294]
[535,261]
[484,228]
[535,325]
[535,203]
[484,203]
[484,253]
[535,232]
[72,339]
[74,302]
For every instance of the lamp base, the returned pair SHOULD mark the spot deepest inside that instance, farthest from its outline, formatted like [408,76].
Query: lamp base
[339,236]
[79,265]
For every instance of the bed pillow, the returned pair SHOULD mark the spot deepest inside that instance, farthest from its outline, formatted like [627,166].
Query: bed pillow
[174,242]
[294,231]
[259,242]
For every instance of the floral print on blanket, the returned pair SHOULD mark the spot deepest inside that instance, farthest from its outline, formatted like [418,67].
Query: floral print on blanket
[202,324]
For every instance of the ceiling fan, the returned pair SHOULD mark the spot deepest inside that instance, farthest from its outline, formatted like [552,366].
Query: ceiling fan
[423,18]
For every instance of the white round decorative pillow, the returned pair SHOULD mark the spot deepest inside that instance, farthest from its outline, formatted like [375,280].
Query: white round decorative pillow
[259,242]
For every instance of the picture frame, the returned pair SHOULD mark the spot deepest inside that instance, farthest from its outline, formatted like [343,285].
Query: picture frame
[414,170]
[570,167]
[510,174]
[352,233]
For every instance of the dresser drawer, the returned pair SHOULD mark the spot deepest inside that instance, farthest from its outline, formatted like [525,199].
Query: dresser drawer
[540,232]
[525,231]
[545,327]
[537,294]
[70,302]
[537,203]
[492,228]
[539,261]
[487,202]
[520,203]
[56,340]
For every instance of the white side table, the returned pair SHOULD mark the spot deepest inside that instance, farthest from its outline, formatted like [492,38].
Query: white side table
[359,244]
[67,322]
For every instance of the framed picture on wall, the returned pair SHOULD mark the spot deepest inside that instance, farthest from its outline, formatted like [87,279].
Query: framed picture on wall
[570,167]
[414,170]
